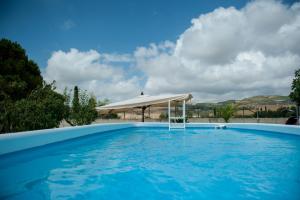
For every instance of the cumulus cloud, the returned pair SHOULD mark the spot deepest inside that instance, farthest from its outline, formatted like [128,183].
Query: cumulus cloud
[91,73]
[225,54]
[117,58]
[228,53]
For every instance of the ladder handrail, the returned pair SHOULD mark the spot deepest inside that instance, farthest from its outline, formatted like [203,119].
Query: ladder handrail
[179,117]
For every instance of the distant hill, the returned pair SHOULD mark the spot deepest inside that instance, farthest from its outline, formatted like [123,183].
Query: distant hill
[227,102]
[251,101]
[265,100]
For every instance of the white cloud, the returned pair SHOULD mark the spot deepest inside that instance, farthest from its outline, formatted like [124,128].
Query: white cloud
[110,58]
[229,53]
[225,54]
[86,70]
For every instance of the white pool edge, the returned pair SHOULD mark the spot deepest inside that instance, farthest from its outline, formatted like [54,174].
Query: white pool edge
[13,142]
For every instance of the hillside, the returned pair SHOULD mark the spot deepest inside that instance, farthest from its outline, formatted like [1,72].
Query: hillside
[250,101]
[265,100]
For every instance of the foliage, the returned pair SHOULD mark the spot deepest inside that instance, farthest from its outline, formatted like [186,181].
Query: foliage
[179,120]
[43,108]
[26,103]
[18,75]
[189,113]
[107,115]
[163,116]
[280,112]
[75,102]
[295,93]
[227,111]
[103,102]
[82,111]
[110,116]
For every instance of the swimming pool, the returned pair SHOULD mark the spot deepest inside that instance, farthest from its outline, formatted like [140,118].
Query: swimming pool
[155,163]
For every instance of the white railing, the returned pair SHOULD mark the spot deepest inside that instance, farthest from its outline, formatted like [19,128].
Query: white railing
[173,120]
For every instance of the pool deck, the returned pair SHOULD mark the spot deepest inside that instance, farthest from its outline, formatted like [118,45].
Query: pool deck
[13,142]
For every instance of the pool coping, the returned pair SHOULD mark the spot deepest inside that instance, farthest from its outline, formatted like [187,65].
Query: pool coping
[13,142]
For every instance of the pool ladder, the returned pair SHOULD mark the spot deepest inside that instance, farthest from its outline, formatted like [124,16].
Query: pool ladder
[176,125]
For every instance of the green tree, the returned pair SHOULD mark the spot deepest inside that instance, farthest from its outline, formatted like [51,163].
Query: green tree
[25,102]
[103,102]
[75,102]
[227,111]
[18,75]
[295,93]
[43,108]
[83,109]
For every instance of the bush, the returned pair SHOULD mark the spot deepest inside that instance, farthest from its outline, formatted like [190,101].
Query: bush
[110,116]
[280,112]
[43,108]
[83,108]
[163,116]
[227,111]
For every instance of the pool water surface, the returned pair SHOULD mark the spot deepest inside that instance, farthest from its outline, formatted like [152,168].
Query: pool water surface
[155,163]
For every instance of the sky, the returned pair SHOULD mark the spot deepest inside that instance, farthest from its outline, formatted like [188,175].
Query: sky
[217,50]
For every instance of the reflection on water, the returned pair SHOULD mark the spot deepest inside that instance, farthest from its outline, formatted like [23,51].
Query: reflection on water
[154,163]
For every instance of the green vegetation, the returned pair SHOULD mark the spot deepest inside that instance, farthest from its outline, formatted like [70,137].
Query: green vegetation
[43,108]
[109,116]
[19,76]
[82,110]
[28,103]
[163,116]
[103,102]
[226,112]
[280,112]
[295,93]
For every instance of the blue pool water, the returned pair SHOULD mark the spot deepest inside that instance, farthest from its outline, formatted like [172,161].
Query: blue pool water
[153,163]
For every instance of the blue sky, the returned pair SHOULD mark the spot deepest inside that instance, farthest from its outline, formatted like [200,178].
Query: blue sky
[217,50]
[111,26]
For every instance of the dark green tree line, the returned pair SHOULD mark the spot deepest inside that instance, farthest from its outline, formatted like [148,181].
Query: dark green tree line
[28,103]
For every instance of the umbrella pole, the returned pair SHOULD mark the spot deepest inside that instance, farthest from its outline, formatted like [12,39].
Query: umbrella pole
[143,113]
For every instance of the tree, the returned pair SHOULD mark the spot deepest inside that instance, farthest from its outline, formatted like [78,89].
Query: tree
[26,102]
[18,75]
[103,102]
[83,108]
[75,102]
[295,93]
[43,108]
[227,111]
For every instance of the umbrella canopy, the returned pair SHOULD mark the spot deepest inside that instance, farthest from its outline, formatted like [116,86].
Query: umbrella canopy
[143,101]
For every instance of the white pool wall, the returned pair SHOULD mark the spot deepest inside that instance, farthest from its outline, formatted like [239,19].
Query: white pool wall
[280,128]
[13,142]
[24,140]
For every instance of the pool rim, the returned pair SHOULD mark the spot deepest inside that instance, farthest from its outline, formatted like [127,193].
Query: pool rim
[13,142]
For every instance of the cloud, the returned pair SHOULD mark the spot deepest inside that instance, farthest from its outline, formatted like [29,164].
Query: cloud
[87,70]
[225,54]
[122,58]
[228,53]
[68,24]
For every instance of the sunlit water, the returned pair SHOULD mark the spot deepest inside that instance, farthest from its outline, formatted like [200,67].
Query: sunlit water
[153,163]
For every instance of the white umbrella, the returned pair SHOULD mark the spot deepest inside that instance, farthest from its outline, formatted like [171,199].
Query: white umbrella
[143,101]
